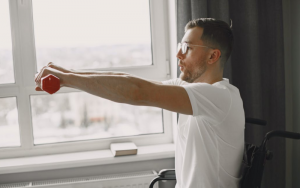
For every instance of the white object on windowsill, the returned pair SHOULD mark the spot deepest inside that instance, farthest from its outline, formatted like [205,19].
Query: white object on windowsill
[82,159]
[123,149]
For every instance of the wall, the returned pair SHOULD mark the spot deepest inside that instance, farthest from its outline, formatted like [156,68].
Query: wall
[156,165]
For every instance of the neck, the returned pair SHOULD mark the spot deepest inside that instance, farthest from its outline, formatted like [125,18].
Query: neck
[210,76]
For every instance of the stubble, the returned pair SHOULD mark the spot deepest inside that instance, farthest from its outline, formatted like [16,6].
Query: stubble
[191,75]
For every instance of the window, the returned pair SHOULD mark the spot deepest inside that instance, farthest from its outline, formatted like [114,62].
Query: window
[6,68]
[80,116]
[92,34]
[82,35]
[9,126]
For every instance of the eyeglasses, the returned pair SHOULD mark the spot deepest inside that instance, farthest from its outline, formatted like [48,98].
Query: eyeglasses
[183,46]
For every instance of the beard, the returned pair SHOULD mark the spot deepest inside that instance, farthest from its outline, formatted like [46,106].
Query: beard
[191,75]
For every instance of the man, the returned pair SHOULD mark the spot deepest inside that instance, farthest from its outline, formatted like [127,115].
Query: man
[210,139]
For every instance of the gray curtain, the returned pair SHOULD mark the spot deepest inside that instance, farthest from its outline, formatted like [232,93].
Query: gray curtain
[256,66]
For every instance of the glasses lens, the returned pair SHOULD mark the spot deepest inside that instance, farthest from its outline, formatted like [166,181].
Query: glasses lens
[183,48]
[178,47]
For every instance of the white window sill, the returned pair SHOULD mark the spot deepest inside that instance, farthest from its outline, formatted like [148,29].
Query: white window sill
[81,159]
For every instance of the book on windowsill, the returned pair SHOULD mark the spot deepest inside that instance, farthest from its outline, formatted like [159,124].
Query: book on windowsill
[125,148]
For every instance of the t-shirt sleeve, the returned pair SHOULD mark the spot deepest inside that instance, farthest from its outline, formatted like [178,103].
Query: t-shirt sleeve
[209,101]
[176,81]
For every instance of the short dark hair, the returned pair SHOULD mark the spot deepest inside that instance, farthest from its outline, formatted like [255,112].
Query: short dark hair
[216,34]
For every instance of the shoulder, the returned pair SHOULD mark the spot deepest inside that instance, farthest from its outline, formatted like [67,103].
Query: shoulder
[207,89]
[209,99]
[175,81]
[218,87]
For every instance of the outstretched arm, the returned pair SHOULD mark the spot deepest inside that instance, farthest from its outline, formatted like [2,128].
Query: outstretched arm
[62,69]
[125,89]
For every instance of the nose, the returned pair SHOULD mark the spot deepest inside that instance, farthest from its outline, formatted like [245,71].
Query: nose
[179,54]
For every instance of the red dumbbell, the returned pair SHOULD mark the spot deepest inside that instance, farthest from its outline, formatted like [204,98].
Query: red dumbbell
[50,84]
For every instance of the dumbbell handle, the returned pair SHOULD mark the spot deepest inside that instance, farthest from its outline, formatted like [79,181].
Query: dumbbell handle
[50,84]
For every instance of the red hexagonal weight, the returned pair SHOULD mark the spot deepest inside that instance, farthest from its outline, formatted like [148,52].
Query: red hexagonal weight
[50,84]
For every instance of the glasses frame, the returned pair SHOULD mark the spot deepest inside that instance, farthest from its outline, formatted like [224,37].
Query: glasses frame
[183,46]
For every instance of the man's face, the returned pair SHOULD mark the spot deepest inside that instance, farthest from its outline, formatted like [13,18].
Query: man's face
[194,62]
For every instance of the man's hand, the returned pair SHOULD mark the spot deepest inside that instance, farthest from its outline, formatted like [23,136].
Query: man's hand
[64,70]
[49,69]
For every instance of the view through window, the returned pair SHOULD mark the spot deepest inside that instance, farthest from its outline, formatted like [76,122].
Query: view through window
[81,35]
[91,34]
[9,125]
[81,116]
[6,58]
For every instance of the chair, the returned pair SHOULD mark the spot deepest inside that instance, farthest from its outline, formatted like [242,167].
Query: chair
[253,159]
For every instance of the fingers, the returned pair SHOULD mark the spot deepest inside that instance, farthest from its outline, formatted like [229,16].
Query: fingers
[51,65]
[39,74]
[38,88]
[50,68]
[38,77]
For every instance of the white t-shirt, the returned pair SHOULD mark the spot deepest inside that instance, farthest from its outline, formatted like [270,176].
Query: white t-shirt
[210,143]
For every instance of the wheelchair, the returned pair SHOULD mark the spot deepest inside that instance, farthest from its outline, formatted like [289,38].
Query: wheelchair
[254,158]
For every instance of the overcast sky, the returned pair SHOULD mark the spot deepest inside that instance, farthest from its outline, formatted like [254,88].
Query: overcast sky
[74,23]
[5,32]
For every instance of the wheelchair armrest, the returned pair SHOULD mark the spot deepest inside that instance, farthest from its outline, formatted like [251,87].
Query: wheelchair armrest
[167,173]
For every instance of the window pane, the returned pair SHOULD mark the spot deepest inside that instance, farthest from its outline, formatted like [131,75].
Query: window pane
[9,126]
[81,116]
[6,59]
[87,34]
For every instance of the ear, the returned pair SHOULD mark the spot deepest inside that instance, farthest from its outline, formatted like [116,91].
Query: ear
[215,55]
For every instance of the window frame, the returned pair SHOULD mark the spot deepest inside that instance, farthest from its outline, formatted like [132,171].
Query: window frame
[24,60]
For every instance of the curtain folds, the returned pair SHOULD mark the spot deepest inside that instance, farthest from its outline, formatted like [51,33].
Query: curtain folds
[256,66]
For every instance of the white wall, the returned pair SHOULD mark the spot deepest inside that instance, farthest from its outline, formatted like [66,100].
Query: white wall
[156,165]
